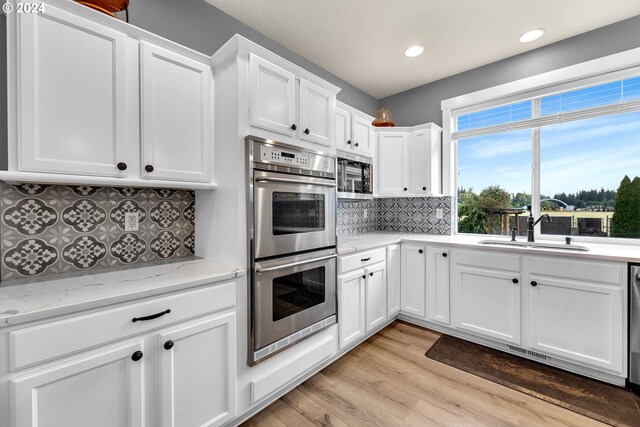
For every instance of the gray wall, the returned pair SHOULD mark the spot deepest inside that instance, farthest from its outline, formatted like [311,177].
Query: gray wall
[202,27]
[422,104]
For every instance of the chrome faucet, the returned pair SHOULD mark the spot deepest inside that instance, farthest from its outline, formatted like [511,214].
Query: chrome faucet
[531,223]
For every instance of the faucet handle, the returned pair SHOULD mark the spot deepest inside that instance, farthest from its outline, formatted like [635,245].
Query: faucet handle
[568,240]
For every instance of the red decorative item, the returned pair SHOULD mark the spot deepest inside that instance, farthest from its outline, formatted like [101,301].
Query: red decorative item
[382,118]
[109,7]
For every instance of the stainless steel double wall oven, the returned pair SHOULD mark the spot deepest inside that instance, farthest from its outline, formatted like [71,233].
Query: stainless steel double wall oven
[292,244]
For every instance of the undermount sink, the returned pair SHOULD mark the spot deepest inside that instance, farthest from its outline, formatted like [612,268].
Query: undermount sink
[537,245]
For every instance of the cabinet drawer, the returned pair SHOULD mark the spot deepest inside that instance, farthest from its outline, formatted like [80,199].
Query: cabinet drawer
[611,273]
[489,260]
[361,259]
[37,344]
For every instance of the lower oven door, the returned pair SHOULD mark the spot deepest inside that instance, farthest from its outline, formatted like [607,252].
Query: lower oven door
[292,213]
[291,294]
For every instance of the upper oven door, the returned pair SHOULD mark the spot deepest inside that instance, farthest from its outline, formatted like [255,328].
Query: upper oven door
[292,213]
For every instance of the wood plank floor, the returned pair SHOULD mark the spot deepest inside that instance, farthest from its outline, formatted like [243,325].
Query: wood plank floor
[388,381]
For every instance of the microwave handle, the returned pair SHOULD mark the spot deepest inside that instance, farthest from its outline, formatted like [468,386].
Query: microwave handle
[293,264]
[295,181]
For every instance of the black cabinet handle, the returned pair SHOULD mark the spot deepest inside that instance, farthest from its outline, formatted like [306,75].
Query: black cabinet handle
[444,254]
[294,127]
[424,188]
[149,168]
[365,259]
[364,276]
[405,188]
[153,316]
[136,356]
[534,283]
[168,345]
[357,144]
[122,166]
[515,280]
[306,131]
[419,251]
[370,274]
[349,142]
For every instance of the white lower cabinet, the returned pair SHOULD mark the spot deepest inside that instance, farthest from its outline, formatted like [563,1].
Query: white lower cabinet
[376,295]
[197,372]
[438,289]
[413,279]
[351,310]
[393,280]
[103,389]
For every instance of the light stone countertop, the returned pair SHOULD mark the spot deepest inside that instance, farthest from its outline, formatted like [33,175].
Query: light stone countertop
[351,243]
[56,296]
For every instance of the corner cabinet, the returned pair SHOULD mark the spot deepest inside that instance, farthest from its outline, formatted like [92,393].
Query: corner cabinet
[283,102]
[409,161]
[96,101]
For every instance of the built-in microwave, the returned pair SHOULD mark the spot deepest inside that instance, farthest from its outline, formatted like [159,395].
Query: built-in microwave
[355,176]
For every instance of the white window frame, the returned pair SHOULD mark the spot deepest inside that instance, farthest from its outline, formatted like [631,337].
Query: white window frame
[598,71]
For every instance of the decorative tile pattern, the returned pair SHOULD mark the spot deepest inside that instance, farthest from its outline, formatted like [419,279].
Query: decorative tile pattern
[49,229]
[405,215]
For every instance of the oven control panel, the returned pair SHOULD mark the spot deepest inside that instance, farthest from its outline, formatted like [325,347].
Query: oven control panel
[297,159]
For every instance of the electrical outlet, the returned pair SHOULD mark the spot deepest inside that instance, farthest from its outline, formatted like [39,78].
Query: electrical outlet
[131,221]
[439,213]
[366,213]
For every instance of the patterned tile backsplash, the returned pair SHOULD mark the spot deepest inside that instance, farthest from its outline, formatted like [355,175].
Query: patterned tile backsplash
[405,215]
[50,229]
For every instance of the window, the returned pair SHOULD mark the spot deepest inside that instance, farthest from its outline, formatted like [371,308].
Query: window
[571,154]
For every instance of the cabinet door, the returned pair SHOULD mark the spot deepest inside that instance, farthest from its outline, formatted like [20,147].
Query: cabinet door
[577,321]
[351,310]
[317,107]
[177,116]
[342,130]
[198,372]
[72,115]
[376,295]
[362,135]
[413,279]
[438,284]
[392,147]
[393,280]
[419,162]
[272,101]
[104,389]
[487,303]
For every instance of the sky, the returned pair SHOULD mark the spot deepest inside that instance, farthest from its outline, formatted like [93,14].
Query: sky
[580,155]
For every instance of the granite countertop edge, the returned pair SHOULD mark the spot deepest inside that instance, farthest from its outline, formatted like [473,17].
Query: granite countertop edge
[60,296]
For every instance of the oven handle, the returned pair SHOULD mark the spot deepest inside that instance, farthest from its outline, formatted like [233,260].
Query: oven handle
[293,264]
[295,181]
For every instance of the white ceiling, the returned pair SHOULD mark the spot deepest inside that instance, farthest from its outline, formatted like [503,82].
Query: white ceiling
[363,41]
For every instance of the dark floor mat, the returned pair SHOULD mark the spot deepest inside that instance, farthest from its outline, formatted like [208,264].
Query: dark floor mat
[600,401]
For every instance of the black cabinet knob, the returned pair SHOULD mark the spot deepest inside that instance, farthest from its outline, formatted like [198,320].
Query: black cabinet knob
[419,251]
[349,142]
[148,168]
[357,144]
[136,356]
[405,188]
[168,345]
[294,127]
[424,188]
[122,166]
[306,131]
[370,274]
[515,280]
[534,283]
[364,276]
[444,254]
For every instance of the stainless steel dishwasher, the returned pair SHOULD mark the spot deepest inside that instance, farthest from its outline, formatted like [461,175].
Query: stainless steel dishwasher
[634,327]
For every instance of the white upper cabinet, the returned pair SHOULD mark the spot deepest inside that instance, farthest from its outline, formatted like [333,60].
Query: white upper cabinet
[409,161]
[353,130]
[286,103]
[72,100]
[392,153]
[316,113]
[272,98]
[177,104]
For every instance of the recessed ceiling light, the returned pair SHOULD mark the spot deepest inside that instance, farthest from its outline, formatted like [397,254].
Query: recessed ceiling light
[531,35]
[414,51]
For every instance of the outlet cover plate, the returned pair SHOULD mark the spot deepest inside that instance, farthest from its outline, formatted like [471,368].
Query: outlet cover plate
[131,222]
